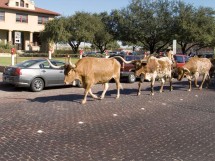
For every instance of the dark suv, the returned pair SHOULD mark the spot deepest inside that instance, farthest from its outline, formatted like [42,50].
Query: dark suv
[127,70]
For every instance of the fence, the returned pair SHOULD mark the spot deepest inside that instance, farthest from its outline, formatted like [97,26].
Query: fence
[6,58]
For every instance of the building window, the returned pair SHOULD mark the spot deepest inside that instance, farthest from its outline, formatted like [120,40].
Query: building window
[17,3]
[42,20]
[22,18]
[26,5]
[21,3]
[2,16]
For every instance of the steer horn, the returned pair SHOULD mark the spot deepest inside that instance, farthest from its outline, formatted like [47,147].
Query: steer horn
[70,63]
[52,65]
[184,71]
[126,62]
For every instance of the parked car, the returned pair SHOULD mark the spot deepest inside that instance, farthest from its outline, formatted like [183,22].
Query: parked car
[127,70]
[90,54]
[36,74]
[206,55]
[180,60]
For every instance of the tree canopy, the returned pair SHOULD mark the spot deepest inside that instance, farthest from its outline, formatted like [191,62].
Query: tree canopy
[153,25]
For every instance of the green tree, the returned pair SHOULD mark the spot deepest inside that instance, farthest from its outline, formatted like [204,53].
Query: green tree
[145,22]
[102,38]
[195,27]
[54,31]
[81,28]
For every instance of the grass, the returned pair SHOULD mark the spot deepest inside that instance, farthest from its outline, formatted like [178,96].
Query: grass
[6,61]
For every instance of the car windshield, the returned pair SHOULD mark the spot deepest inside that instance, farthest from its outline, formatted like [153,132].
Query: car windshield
[27,63]
[179,59]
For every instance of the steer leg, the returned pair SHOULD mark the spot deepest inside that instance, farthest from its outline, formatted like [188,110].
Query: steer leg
[140,84]
[139,88]
[190,84]
[203,80]
[152,86]
[196,79]
[170,84]
[93,95]
[162,84]
[118,86]
[208,80]
[106,85]
[87,89]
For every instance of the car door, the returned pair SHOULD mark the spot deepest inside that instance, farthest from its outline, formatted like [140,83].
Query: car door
[59,72]
[52,76]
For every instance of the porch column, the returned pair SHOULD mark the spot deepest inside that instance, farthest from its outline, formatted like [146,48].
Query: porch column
[31,37]
[10,36]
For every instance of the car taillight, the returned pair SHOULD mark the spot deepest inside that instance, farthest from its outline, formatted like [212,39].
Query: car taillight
[18,71]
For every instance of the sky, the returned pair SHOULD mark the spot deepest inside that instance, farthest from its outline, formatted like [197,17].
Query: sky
[69,7]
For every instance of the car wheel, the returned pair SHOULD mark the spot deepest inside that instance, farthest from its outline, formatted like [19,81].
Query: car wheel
[37,85]
[78,83]
[131,78]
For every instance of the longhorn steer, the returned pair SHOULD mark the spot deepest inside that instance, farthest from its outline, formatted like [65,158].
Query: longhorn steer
[151,69]
[193,69]
[91,71]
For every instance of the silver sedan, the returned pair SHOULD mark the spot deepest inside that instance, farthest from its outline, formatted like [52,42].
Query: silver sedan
[36,74]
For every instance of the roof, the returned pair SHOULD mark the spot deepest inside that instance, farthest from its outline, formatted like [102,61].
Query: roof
[3,4]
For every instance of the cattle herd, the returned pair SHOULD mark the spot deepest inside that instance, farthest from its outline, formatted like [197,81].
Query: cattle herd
[90,71]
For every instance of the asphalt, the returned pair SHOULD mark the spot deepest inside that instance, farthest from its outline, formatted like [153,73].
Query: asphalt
[52,125]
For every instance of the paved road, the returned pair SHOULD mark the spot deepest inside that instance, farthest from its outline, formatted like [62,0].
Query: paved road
[52,125]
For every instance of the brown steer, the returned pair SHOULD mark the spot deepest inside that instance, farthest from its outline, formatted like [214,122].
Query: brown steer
[90,71]
[151,69]
[193,68]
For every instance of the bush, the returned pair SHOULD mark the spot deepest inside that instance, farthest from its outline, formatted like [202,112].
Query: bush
[54,55]
[5,48]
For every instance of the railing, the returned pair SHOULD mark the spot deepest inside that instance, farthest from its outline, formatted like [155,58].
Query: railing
[6,59]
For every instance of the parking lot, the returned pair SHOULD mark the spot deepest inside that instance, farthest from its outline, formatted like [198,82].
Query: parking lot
[54,125]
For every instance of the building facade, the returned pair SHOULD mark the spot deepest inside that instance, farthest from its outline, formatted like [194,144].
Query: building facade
[21,22]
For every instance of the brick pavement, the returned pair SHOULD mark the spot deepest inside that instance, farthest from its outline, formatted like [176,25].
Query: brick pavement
[53,125]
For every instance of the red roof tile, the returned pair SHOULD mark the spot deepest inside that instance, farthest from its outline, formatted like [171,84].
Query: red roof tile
[3,4]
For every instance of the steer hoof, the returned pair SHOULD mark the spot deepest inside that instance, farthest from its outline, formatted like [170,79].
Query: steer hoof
[101,98]
[138,93]
[117,97]
[152,94]
[189,90]
[95,97]
[83,102]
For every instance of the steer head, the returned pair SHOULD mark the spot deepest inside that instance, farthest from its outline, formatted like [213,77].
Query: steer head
[140,67]
[69,72]
[181,72]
